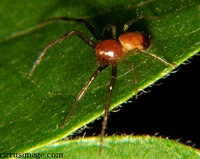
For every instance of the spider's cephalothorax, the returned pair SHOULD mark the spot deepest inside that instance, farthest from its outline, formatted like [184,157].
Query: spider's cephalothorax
[108,53]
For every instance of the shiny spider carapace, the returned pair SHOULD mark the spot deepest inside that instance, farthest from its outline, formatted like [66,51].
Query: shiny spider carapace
[108,53]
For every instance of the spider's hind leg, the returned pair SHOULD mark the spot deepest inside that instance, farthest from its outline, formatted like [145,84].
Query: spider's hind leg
[113,29]
[160,59]
[130,22]
[135,81]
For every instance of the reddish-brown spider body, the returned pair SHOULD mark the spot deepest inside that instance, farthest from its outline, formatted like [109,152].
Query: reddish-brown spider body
[109,51]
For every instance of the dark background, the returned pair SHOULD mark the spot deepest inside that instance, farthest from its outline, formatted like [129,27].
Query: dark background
[170,109]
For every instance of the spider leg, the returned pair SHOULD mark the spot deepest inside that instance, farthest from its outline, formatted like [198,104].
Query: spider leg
[136,86]
[106,113]
[85,38]
[85,22]
[111,27]
[131,67]
[130,22]
[83,91]
[159,58]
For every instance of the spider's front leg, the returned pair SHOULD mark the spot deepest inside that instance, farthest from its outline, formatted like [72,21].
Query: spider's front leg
[106,112]
[85,38]
[83,91]
[79,20]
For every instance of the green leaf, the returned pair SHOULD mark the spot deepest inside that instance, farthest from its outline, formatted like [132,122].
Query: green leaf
[33,110]
[128,147]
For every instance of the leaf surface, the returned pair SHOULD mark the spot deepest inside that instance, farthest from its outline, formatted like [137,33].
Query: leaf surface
[33,110]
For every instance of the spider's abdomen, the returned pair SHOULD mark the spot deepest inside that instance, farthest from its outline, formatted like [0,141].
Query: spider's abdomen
[134,41]
[108,51]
